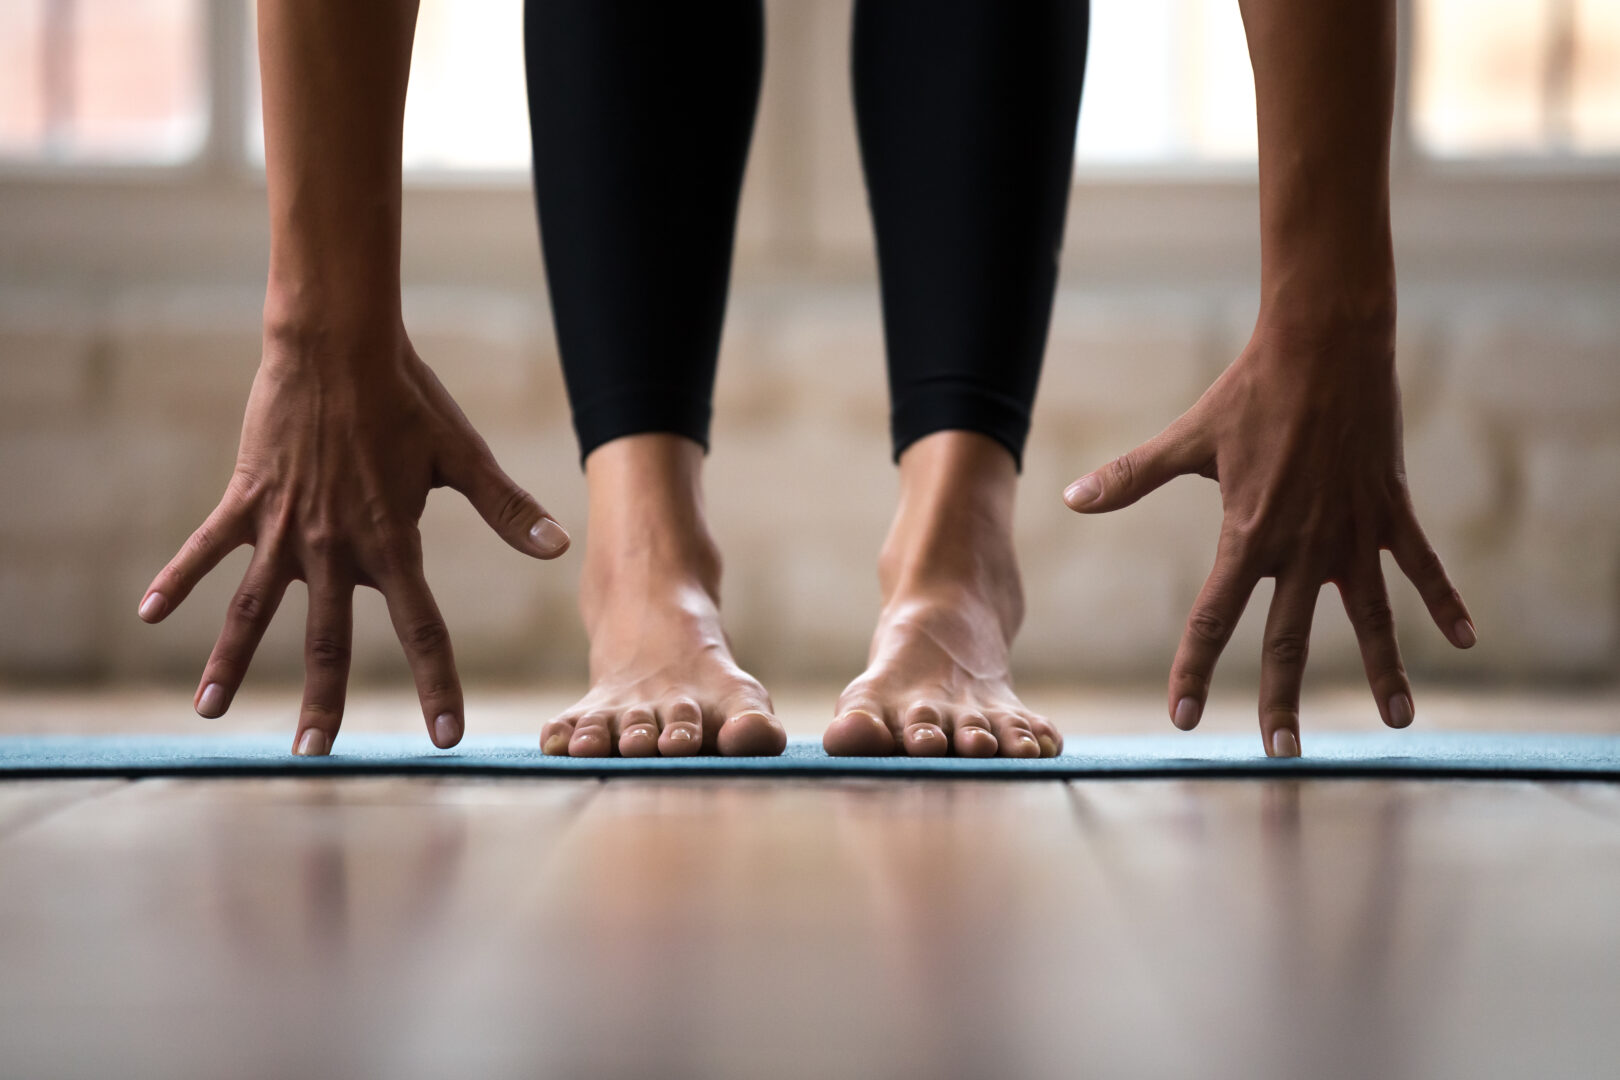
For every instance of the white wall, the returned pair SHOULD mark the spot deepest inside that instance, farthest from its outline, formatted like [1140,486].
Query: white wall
[129,333]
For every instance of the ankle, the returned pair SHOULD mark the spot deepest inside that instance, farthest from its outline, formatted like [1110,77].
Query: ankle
[952,534]
[646,529]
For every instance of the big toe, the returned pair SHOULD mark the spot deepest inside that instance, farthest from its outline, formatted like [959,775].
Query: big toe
[858,732]
[752,733]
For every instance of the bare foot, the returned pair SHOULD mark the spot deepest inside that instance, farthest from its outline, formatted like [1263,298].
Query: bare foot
[662,677]
[937,680]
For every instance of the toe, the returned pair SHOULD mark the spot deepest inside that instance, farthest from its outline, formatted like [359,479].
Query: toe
[971,736]
[858,731]
[680,740]
[1049,737]
[682,722]
[1013,736]
[555,735]
[752,733]
[592,737]
[923,732]
[638,732]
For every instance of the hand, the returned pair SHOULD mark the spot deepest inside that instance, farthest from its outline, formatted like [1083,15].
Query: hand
[341,442]
[1303,433]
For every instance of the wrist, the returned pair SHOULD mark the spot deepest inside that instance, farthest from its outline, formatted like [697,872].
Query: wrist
[331,337]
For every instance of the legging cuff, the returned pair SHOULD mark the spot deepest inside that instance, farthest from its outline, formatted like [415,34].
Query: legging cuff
[959,406]
[638,412]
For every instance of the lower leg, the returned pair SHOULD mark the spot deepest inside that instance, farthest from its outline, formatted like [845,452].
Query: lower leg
[938,677]
[663,680]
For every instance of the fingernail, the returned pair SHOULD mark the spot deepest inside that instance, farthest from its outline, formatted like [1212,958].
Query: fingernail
[1187,712]
[312,743]
[1083,491]
[153,607]
[447,730]
[211,703]
[548,536]
[1284,743]
[1400,710]
[1465,634]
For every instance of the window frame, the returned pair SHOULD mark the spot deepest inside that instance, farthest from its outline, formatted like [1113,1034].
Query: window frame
[1199,214]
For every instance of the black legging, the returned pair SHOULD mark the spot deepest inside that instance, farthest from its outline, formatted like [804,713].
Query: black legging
[641,112]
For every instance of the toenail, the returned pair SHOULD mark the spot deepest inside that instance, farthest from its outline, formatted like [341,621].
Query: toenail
[682,733]
[557,744]
[923,733]
[1048,747]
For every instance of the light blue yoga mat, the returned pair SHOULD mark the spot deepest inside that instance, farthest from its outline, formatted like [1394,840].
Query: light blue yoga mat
[1384,754]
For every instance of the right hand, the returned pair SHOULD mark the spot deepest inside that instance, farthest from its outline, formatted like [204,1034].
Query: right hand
[344,436]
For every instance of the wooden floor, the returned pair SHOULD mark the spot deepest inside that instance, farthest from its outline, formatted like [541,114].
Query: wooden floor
[754,928]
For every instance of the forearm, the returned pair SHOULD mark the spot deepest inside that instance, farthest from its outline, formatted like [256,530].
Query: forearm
[1324,87]
[334,77]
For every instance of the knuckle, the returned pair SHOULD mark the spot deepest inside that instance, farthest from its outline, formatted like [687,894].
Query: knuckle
[514,508]
[1427,565]
[325,715]
[1122,472]
[1288,648]
[322,541]
[248,606]
[427,635]
[1208,627]
[204,537]
[1377,617]
[327,652]
[399,551]
[440,687]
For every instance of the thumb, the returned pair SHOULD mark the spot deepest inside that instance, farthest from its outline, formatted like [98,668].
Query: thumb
[1134,474]
[515,515]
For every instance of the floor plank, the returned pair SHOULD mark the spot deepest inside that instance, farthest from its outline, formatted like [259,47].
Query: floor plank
[746,928]
[23,802]
[288,927]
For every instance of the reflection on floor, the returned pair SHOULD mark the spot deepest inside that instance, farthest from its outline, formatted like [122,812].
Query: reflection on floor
[747,928]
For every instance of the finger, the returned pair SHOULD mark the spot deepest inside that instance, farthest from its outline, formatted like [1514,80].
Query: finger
[513,513]
[1214,616]
[225,530]
[1282,661]
[328,638]
[1172,453]
[1366,602]
[1418,561]
[249,615]
[421,630]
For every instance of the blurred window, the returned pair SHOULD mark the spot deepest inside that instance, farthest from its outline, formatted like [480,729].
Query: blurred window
[466,109]
[102,81]
[1168,83]
[1502,78]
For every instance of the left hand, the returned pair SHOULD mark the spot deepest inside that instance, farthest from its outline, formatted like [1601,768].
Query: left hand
[1303,434]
